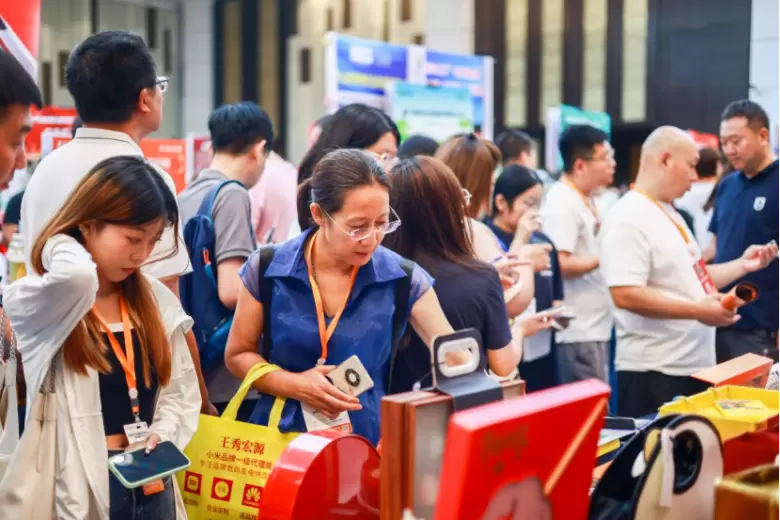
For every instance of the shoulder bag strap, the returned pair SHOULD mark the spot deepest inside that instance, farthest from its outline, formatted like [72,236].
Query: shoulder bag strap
[403,289]
[266,291]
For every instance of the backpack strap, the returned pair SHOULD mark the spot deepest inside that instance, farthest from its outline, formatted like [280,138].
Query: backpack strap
[207,206]
[403,289]
[266,291]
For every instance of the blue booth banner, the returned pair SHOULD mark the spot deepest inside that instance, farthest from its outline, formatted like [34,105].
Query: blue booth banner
[359,71]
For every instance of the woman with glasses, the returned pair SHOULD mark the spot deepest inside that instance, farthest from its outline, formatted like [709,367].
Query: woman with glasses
[425,190]
[333,295]
[517,197]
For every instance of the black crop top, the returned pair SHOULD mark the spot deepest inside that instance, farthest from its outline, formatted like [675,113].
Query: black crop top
[114,399]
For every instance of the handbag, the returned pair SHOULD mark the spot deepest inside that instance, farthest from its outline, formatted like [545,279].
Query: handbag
[9,411]
[667,471]
[27,487]
[231,460]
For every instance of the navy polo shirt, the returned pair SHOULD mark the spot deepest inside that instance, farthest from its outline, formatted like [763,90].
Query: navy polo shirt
[746,213]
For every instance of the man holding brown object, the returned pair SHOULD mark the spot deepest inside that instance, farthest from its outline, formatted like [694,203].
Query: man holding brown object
[666,300]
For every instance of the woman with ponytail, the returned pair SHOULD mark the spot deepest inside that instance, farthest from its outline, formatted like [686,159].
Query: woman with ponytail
[110,338]
[334,296]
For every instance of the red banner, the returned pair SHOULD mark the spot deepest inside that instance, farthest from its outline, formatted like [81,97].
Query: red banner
[168,154]
[44,119]
[20,28]
[705,140]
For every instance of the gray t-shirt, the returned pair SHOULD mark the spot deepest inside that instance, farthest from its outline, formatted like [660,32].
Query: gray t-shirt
[234,238]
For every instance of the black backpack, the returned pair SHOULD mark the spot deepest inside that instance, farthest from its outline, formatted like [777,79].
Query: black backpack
[403,289]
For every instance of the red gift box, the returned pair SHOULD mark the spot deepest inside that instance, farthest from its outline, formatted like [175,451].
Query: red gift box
[750,450]
[531,457]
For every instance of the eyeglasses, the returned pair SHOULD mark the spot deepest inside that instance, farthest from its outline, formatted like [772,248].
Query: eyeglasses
[162,82]
[532,203]
[466,196]
[365,232]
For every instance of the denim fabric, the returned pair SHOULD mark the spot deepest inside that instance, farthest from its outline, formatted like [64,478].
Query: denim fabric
[364,330]
[132,504]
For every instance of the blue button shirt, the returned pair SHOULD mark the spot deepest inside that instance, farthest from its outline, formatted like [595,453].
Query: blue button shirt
[365,327]
[746,213]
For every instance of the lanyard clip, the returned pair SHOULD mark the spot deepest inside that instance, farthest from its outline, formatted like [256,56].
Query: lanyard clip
[320,362]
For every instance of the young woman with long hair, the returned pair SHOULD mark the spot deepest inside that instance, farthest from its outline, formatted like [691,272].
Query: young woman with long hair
[335,273]
[473,161]
[424,189]
[111,339]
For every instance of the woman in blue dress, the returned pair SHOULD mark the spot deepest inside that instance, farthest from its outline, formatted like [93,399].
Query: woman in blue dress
[335,272]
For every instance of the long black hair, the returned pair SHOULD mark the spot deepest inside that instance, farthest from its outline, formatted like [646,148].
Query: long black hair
[352,126]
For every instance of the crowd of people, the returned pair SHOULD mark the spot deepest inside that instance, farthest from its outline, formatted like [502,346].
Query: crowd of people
[143,308]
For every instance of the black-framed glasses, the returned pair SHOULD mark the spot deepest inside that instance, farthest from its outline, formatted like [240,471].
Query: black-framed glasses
[162,82]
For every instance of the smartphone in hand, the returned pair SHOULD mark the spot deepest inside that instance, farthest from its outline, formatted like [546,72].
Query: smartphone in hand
[137,468]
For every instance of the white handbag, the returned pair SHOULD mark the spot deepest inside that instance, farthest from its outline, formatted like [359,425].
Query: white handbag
[27,488]
[9,411]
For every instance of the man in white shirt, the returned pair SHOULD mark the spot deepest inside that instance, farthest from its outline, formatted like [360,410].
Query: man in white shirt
[571,219]
[112,78]
[666,300]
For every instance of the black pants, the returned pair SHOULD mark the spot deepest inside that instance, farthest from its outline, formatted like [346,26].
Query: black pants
[731,343]
[642,393]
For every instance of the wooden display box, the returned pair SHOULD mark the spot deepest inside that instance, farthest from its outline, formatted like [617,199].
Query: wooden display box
[414,429]
[746,370]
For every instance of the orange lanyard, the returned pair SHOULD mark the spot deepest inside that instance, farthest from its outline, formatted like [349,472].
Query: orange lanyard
[680,229]
[325,333]
[127,357]
[587,200]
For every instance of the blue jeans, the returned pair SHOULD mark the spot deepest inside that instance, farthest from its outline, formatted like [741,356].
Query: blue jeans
[132,504]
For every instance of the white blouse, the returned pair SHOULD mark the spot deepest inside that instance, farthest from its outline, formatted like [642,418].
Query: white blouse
[43,311]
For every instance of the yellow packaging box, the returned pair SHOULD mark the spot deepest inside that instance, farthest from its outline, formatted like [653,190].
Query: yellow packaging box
[733,410]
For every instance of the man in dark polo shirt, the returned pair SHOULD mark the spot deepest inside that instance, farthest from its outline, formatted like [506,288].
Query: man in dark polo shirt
[746,213]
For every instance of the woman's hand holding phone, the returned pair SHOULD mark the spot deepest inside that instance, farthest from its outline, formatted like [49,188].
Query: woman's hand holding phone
[539,321]
[318,392]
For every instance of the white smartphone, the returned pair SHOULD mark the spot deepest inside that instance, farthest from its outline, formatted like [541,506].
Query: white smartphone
[351,377]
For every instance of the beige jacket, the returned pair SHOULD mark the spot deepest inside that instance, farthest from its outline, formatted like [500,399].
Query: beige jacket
[43,311]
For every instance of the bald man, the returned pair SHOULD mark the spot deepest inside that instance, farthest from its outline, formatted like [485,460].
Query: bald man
[666,300]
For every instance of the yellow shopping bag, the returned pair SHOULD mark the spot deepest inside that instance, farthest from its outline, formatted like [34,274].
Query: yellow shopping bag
[231,460]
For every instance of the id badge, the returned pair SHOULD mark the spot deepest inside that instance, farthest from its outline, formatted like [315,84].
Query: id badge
[136,432]
[316,421]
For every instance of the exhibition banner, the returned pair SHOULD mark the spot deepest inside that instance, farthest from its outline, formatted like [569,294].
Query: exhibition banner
[438,112]
[198,154]
[47,118]
[168,154]
[359,71]
[562,117]
[472,72]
